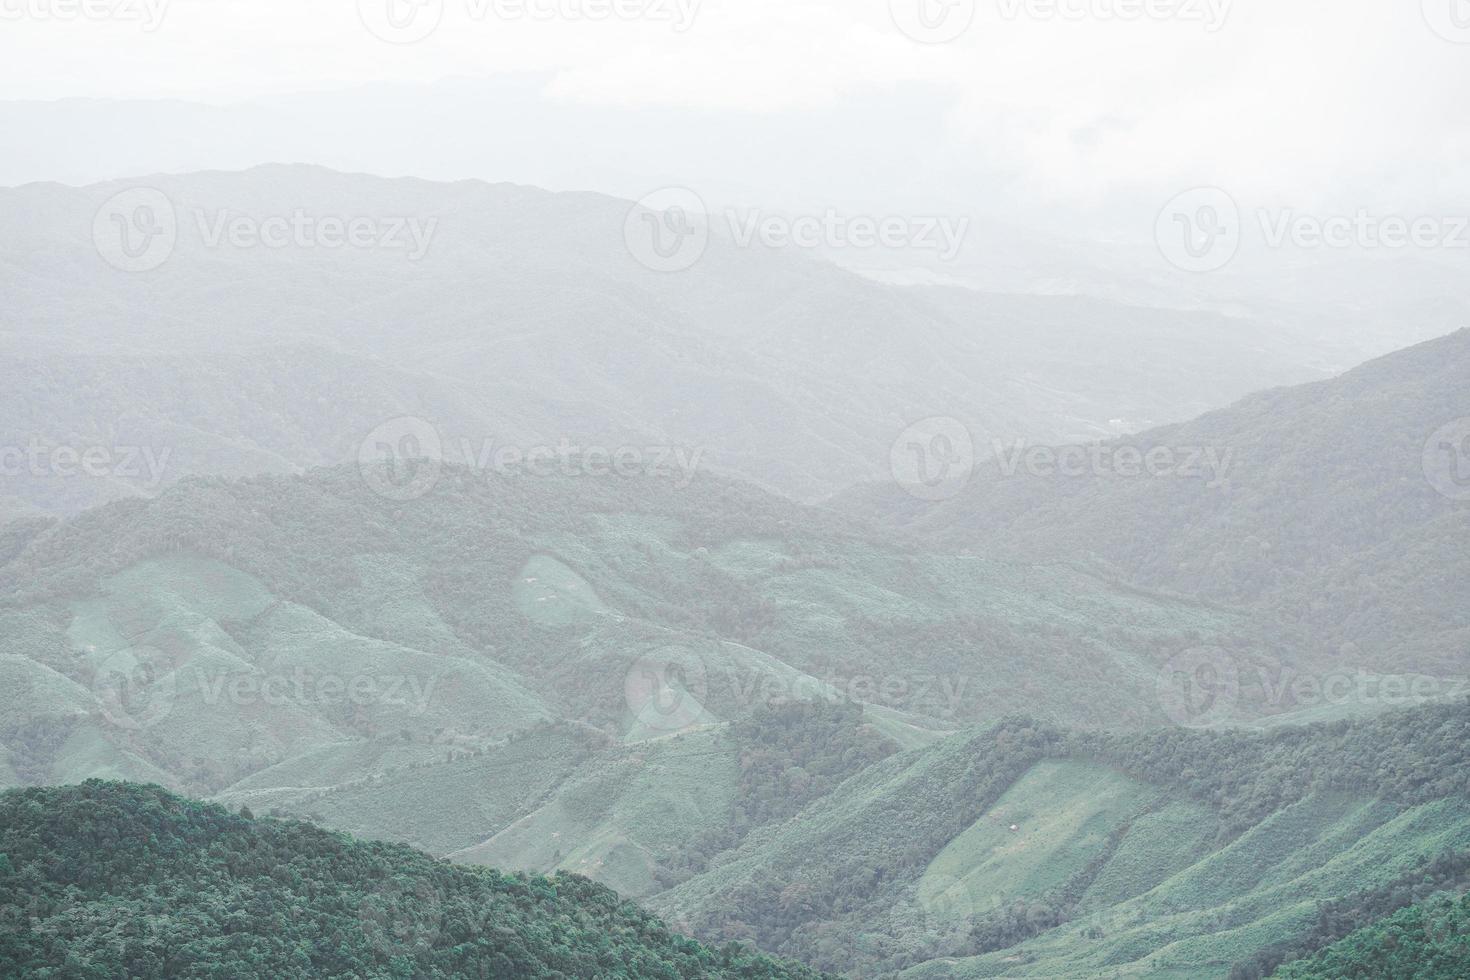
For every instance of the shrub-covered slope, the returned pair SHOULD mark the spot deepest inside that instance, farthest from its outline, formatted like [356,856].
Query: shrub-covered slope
[1026,850]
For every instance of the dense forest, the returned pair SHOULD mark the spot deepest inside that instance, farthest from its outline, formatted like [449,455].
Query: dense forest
[1423,942]
[113,880]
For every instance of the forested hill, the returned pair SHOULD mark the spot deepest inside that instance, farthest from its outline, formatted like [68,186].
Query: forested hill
[1340,504]
[113,879]
[1424,942]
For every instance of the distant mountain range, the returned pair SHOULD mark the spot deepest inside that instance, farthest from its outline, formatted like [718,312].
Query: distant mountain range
[527,319]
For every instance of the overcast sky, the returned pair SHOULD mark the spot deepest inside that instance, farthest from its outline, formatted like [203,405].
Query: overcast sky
[1311,102]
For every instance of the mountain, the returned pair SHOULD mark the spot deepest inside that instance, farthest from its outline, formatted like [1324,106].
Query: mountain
[1339,506]
[109,879]
[160,417]
[187,639]
[1357,303]
[506,314]
[1028,851]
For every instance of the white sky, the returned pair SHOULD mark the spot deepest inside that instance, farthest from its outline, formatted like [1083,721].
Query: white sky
[1312,101]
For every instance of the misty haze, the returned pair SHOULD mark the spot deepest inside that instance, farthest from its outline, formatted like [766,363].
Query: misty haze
[924,489]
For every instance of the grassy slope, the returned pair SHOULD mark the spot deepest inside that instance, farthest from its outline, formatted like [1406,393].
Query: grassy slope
[1117,865]
[542,613]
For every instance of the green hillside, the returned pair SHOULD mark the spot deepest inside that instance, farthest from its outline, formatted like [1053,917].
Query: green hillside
[1030,851]
[110,879]
[1334,505]
[1422,942]
[230,629]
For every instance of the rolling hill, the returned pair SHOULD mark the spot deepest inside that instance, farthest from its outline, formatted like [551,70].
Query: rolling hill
[109,879]
[1028,851]
[1338,506]
[213,632]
